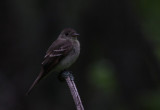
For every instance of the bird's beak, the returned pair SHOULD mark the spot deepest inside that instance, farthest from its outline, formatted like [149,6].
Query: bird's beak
[75,35]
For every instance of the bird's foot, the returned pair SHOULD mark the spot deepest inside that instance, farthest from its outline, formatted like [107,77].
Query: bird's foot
[66,74]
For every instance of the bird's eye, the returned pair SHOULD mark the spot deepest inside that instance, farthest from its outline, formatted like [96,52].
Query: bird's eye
[67,34]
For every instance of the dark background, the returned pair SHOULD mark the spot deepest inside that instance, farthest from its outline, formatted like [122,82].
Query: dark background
[118,68]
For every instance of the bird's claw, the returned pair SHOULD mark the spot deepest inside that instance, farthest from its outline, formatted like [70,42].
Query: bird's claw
[66,74]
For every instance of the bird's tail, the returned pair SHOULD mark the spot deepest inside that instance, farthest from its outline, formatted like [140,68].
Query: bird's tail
[40,76]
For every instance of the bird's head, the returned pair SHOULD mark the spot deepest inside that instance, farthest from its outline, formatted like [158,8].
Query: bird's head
[69,33]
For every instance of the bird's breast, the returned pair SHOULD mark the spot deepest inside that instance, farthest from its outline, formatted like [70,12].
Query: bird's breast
[67,61]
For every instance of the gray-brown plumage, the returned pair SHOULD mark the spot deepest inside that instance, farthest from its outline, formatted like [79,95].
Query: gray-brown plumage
[61,54]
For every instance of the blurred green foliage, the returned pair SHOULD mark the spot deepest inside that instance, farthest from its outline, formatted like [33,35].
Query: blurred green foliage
[149,11]
[150,100]
[101,75]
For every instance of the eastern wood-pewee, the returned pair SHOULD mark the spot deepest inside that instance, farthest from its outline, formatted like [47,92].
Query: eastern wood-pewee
[61,54]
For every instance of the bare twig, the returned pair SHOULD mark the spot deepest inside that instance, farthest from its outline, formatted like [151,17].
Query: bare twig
[74,92]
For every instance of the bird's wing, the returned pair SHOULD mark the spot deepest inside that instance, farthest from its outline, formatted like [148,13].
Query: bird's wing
[58,50]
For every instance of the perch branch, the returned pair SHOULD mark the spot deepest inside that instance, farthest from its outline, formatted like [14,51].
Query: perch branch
[70,81]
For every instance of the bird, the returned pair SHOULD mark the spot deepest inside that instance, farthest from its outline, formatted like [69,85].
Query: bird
[62,53]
